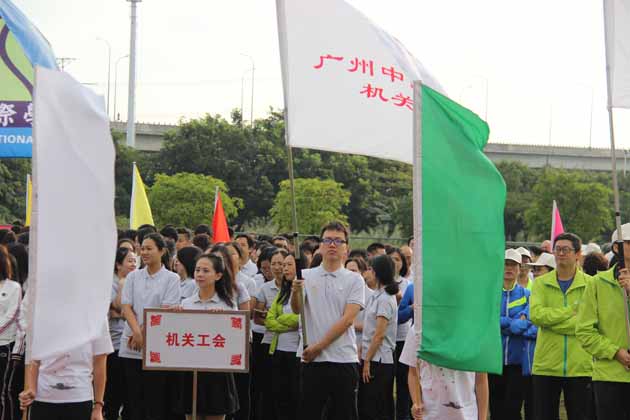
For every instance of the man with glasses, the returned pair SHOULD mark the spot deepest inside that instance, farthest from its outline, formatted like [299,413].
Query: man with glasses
[333,297]
[560,362]
[601,328]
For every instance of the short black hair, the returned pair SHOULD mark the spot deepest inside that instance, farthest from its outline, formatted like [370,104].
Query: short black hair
[335,226]
[573,238]
[384,267]
[143,231]
[358,253]
[359,262]
[374,246]
[169,232]
[250,241]
[187,257]
[202,241]
[203,228]
[264,238]
[404,268]
[185,231]
[24,237]
[536,250]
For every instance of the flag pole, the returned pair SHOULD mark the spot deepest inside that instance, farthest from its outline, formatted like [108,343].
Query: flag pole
[554,206]
[133,194]
[417,211]
[282,39]
[613,160]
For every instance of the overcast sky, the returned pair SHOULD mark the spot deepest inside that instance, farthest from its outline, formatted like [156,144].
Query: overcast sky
[541,61]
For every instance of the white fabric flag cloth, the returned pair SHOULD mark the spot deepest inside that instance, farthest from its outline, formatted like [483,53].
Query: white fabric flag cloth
[74,226]
[347,83]
[617,22]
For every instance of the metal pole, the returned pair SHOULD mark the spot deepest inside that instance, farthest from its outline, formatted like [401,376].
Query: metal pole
[131,107]
[109,69]
[194,396]
[590,127]
[417,203]
[243,92]
[251,117]
[116,82]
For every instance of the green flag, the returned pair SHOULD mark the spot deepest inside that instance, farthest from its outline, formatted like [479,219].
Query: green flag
[463,199]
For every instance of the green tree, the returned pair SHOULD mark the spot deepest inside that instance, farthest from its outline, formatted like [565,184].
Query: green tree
[519,180]
[584,205]
[13,189]
[186,199]
[317,201]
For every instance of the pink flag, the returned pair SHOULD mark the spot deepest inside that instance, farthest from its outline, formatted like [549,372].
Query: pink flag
[556,223]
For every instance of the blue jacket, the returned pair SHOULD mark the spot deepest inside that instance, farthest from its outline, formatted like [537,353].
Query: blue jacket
[405,308]
[529,332]
[514,304]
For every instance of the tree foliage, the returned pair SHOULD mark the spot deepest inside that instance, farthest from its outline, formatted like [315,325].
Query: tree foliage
[13,189]
[585,206]
[188,199]
[317,202]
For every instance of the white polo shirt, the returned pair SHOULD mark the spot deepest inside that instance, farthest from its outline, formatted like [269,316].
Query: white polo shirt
[187,287]
[267,294]
[215,302]
[380,304]
[447,394]
[326,297]
[250,269]
[248,282]
[259,280]
[403,329]
[359,334]
[142,291]
[68,378]
[10,299]
[116,325]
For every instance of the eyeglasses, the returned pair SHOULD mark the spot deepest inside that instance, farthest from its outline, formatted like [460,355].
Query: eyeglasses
[336,241]
[563,250]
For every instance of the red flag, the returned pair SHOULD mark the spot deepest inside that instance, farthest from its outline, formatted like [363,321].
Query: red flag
[219,222]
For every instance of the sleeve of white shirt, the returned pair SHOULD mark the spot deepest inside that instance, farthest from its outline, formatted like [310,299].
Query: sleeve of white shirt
[243,294]
[386,308]
[409,354]
[126,298]
[103,343]
[20,335]
[173,295]
[260,296]
[357,291]
[13,308]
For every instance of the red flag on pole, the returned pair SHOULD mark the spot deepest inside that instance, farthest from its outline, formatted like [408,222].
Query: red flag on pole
[556,223]
[220,231]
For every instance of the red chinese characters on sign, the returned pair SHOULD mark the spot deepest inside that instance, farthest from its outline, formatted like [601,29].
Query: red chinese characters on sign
[156,320]
[237,323]
[218,341]
[236,360]
[392,73]
[154,357]
[202,340]
[365,66]
[172,339]
[326,57]
[402,100]
[188,340]
[373,92]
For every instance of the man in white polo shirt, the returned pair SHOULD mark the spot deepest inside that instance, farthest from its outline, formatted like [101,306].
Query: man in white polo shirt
[333,297]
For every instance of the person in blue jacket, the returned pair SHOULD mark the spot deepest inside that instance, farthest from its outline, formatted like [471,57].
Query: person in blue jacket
[507,390]
[405,307]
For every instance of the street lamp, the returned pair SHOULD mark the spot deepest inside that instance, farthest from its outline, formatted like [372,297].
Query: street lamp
[116,81]
[251,118]
[131,107]
[243,91]
[109,68]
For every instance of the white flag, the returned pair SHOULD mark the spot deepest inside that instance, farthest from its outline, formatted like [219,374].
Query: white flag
[617,23]
[347,83]
[73,225]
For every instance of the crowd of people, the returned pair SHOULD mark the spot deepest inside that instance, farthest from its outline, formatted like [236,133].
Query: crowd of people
[561,321]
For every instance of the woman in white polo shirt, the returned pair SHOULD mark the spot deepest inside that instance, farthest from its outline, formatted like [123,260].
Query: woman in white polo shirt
[378,345]
[10,298]
[153,286]
[69,386]
[216,392]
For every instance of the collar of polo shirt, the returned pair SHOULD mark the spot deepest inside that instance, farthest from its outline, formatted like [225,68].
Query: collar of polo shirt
[332,274]
[214,299]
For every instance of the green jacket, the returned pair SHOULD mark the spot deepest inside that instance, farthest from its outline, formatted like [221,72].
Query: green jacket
[601,327]
[558,352]
[278,322]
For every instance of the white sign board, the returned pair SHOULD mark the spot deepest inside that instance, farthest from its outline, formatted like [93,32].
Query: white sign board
[196,340]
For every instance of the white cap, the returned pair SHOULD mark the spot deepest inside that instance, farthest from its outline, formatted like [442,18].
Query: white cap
[590,248]
[513,255]
[524,252]
[625,233]
[544,259]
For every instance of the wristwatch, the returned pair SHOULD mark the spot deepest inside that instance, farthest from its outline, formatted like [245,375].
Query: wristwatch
[101,403]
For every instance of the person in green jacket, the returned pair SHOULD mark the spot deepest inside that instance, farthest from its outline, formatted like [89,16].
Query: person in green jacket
[285,365]
[602,330]
[560,362]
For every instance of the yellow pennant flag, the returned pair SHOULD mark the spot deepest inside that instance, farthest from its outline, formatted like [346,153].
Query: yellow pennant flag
[29,200]
[140,213]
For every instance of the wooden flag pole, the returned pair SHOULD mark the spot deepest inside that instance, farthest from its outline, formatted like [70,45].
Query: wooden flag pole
[194,396]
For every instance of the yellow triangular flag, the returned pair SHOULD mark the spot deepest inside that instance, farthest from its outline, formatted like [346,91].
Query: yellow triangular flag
[29,200]
[140,213]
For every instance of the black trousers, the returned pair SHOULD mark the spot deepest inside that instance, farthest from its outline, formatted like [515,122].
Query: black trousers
[115,389]
[13,384]
[506,393]
[612,400]
[528,397]
[62,411]
[243,389]
[376,398]
[578,397]
[335,382]
[146,392]
[403,400]
[258,379]
[285,385]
